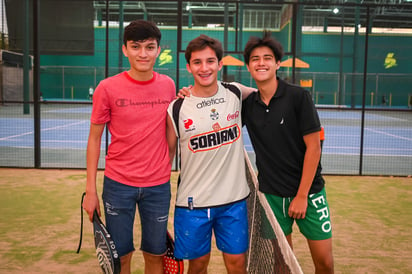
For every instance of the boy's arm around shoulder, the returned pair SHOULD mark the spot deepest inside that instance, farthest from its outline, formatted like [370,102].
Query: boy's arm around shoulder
[246,91]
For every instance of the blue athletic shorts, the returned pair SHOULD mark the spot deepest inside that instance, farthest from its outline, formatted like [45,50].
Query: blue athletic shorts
[153,203]
[193,230]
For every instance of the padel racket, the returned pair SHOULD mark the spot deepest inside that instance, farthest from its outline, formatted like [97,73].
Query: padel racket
[106,251]
[172,265]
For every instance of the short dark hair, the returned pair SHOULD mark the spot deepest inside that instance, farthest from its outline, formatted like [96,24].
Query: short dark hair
[141,30]
[202,42]
[266,41]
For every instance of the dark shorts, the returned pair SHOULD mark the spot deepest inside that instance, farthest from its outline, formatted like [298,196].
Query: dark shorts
[153,203]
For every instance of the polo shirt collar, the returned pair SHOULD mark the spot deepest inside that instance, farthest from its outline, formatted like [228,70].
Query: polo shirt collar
[279,91]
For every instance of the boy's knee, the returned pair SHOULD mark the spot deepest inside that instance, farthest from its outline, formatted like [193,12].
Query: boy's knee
[326,265]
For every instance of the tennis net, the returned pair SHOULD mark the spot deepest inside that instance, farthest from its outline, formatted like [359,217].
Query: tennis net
[269,251]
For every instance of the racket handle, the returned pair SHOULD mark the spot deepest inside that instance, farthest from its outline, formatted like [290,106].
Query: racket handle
[81,224]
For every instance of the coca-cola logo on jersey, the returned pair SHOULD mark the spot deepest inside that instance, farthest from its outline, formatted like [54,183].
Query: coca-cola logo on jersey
[233,116]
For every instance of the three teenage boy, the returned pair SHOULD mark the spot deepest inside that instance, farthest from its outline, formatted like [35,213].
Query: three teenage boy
[133,103]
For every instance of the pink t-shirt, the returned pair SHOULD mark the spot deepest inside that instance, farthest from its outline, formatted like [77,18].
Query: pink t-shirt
[135,113]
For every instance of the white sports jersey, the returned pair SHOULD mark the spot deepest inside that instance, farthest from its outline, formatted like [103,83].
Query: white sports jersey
[211,148]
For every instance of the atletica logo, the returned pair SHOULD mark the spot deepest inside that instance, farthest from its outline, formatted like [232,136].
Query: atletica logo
[210,102]
[214,139]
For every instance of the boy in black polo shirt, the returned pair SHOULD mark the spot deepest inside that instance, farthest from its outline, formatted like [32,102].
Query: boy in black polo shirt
[284,127]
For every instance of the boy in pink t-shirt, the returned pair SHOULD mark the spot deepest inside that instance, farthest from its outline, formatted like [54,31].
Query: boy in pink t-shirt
[133,105]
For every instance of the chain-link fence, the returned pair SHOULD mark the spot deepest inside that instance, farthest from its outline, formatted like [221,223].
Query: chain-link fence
[354,58]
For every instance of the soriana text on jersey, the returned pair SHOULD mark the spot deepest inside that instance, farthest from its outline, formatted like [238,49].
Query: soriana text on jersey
[214,139]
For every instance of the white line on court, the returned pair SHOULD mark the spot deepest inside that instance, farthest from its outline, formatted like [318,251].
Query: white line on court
[46,129]
[388,134]
[14,136]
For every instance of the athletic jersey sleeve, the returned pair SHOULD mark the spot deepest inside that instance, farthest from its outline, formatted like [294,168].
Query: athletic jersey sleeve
[173,117]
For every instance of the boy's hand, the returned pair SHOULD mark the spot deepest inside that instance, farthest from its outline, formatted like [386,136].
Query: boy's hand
[185,92]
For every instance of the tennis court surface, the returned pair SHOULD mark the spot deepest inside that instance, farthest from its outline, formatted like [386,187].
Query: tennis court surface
[64,128]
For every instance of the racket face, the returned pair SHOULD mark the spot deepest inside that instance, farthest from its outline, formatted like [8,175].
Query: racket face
[171,263]
[106,251]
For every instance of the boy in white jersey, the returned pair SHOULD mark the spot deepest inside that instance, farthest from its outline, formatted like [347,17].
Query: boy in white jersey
[212,192]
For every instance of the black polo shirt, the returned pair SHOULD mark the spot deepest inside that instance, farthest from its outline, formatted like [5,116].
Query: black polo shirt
[276,132]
